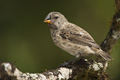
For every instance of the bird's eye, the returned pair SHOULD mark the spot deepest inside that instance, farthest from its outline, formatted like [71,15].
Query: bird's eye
[56,17]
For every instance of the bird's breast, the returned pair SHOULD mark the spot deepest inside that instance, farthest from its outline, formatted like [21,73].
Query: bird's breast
[63,43]
[55,36]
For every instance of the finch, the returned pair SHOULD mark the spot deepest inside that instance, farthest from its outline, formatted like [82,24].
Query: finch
[72,38]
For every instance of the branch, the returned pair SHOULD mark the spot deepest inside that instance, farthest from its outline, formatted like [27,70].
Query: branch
[82,69]
[64,72]
[114,33]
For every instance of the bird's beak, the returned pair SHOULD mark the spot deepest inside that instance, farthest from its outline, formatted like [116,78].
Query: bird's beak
[47,21]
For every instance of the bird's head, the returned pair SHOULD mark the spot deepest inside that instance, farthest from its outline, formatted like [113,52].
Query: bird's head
[55,20]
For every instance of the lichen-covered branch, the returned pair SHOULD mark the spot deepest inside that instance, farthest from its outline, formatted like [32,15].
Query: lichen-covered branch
[81,69]
[64,72]
[10,72]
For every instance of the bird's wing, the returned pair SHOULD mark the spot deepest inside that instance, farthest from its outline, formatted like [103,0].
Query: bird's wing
[77,35]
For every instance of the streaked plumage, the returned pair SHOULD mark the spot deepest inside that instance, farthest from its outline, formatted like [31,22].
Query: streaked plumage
[72,38]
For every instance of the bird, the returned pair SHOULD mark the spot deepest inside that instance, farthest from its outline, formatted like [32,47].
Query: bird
[72,38]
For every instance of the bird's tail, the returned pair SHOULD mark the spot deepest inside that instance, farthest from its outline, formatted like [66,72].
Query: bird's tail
[106,56]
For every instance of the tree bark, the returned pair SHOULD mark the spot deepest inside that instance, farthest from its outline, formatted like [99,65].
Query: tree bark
[82,69]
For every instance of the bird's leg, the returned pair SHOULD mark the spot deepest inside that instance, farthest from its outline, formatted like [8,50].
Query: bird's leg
[72,60]
[68,63]
[78,57]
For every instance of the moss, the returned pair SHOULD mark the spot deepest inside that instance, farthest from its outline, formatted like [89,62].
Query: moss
[84,74]
[81,71]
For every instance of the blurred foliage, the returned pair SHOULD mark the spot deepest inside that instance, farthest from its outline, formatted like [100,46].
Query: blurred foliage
[26,42]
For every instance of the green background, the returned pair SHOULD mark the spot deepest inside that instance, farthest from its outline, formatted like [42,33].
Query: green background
[25,40]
